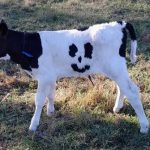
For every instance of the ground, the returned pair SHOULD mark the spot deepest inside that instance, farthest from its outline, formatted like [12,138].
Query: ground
[83,117]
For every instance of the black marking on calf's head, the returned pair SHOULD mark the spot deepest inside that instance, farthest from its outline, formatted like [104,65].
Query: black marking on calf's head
[72,50]
[88,50]
[3,28]
[3,35]
[77,69]
[122,49]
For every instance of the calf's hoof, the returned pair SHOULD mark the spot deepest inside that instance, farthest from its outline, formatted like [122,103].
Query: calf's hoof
[117,110]
[33,128]
[144,129]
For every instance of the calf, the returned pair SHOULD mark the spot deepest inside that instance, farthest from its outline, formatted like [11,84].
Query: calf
[50,55]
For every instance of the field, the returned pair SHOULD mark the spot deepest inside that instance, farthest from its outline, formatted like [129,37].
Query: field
[84,119]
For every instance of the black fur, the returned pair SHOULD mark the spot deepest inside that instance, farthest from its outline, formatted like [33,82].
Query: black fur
[72,50]
[19,42]
[75,68]
[129,27]
[122,50]
[80,59]
[88,54]
[83,28]
[88,50]
[120,22]
[131,30]
[3,28]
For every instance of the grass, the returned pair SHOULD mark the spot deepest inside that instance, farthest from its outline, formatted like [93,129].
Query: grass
[83,117]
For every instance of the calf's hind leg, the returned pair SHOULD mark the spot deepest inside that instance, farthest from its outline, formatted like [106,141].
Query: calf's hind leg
[119,100]
[130,90]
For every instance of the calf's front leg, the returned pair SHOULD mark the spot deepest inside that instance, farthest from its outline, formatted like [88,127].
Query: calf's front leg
[42,92]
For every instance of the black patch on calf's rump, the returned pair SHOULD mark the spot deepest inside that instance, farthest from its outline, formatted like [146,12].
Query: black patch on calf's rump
[120,22]
[130,28]
[75,68]
[122,49]
[131,31]
[88,50]
[72,50]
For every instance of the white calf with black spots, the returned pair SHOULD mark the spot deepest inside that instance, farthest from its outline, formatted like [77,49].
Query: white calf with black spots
[51,55]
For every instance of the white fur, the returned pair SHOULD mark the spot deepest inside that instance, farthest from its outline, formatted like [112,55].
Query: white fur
[119,100]
[133,56]
[55,63]
[7,57]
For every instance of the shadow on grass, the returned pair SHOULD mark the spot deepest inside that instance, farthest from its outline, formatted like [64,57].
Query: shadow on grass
[14,118]
[67,130]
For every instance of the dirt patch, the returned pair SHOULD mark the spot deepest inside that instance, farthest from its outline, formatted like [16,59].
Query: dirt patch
[145,37]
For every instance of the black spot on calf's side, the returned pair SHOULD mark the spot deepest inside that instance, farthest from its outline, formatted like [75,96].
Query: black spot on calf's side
[72,50]
[88,50]
[75,68]
[80,59]
[82,28]
[122,50]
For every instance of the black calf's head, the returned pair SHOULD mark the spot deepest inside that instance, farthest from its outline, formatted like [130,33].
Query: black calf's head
[3,36]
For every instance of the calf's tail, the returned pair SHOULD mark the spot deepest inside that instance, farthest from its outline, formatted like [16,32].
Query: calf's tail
[132,33]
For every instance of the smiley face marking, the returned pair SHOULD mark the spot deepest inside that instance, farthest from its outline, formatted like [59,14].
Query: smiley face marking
[88,50]
[77,69]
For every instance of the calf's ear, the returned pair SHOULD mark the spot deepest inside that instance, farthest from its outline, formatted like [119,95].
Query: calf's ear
[3,28]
